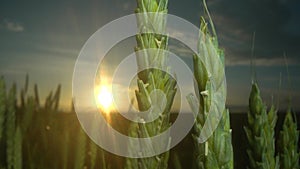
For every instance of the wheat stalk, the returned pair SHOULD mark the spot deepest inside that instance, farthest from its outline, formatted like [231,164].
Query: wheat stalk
[80,150]
[66,148]
[93,150]
[2,105]
[17,158]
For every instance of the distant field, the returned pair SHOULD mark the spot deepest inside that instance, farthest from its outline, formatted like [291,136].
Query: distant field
[44,141]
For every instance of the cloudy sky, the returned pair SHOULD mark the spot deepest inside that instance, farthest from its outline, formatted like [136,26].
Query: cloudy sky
[44,39]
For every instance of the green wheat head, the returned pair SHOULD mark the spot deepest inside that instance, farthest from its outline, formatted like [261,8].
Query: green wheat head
[151,79]
[10,127]
[260,133]
[217,151]
[288,143]
[52,101]
[28,105]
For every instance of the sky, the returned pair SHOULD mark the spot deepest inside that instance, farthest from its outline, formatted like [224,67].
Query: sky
[43,39]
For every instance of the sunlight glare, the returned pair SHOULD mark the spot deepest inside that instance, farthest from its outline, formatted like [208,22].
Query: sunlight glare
[105,99]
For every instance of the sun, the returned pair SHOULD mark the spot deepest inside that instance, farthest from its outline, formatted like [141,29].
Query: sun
[104,98]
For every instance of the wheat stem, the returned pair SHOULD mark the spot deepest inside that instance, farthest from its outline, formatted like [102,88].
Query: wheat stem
[2,105]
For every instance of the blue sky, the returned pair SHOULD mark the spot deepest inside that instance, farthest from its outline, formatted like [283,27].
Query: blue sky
[44,39]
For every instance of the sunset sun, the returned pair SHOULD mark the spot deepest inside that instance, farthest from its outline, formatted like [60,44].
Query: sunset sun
[104,98]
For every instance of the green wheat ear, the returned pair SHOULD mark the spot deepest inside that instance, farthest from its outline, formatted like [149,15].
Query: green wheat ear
[217,151]
[289,135]
[10,126]
[288,143]
[260,133]
[151,79]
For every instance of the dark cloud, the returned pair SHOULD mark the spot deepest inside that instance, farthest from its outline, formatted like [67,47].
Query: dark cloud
[236,21]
